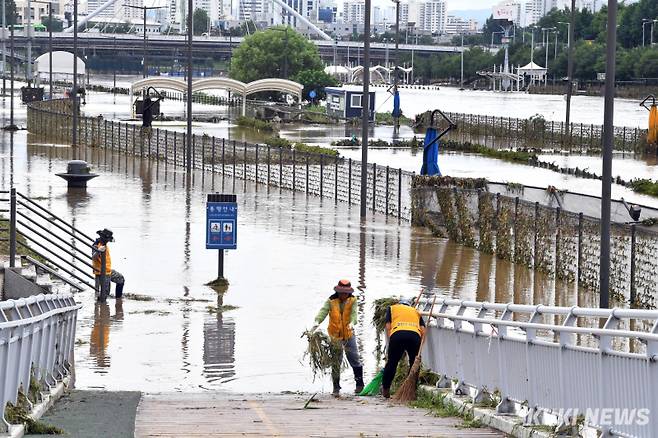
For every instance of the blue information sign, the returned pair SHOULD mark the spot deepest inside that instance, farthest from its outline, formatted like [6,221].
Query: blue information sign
[312,94]
[221,225]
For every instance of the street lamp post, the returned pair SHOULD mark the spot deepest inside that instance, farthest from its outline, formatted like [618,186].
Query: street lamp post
[545,35]
[50,50]
[74,90]
[653,22]
[190,31]
[365,110]
[4,48]
[492,36]
[645,21]
[608,141]
[144,9]
[462,65]
[571,31]
[396,118]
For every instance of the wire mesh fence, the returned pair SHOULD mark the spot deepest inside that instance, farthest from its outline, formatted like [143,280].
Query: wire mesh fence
[324,175]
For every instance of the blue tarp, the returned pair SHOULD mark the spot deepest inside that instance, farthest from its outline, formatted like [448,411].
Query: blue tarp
[396,105]
[430,154]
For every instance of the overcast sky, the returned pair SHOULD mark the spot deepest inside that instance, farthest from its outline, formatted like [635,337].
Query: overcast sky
[470,4]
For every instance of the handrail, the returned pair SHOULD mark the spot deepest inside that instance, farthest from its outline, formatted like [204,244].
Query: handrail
[75,235]
[36,242]
[53,272]
[57,245]
[55,216]
[57,265]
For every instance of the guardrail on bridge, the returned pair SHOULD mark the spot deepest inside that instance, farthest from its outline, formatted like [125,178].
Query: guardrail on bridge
[37,336]
[551,364]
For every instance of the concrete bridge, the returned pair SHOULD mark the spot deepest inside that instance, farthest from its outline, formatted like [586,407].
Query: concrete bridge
[167,47]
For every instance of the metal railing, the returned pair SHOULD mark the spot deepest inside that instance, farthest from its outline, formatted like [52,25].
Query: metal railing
[562,244]
[509,132]
[551,365]
[37,336]
[316,174]
[47,241]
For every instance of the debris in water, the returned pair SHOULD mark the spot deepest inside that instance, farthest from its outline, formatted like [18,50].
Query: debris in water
[221,309]
[219,285]
[138,297]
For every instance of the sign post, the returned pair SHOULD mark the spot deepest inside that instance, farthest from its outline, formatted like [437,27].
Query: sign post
[221,226]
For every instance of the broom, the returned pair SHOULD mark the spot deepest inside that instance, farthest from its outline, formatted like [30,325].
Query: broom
[374,387]
[407,390]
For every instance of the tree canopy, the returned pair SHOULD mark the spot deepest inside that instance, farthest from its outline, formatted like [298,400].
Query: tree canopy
[200,21]
[267,54]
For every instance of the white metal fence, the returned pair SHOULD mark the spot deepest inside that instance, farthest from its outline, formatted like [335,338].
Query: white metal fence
[37,337]
[552,365]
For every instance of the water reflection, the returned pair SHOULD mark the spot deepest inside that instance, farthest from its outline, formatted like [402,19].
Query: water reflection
[99,339]
[219,346]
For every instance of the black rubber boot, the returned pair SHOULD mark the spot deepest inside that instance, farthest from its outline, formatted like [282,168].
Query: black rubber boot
[336,392]
[358,378]
[119,290]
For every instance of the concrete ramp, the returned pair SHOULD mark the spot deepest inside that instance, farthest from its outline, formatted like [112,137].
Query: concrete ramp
[222,415]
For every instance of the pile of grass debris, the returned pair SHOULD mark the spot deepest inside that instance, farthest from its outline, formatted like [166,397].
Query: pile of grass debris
[322,352]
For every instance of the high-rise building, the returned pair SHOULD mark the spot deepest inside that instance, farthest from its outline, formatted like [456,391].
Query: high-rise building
[431,16]
[354,11]
[457,25]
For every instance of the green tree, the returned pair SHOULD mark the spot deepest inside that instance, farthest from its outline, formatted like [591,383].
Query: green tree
[58,25]
[264,54]
[647,66]
[200,21]
[315,80]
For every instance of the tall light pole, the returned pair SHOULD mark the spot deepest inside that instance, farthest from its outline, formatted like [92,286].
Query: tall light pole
[74,91]
[545,33]
[4,47]
[396,110]
[50,50]
[462,65]
[365,109]
[645,21]
[145,72]
[653,22]
[532,45]
[492,36]
[190,33]
[571,30]
[568,31]
[608,141]
[28,29]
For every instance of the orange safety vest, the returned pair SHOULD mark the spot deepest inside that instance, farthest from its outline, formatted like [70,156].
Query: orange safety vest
[97,261]
[339,323]
[404,317]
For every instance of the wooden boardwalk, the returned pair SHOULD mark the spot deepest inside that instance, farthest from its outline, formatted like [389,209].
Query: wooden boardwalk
[233,415]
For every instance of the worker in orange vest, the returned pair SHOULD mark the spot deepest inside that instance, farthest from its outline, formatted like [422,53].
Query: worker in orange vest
[342,310]
[101,246]
[405,329]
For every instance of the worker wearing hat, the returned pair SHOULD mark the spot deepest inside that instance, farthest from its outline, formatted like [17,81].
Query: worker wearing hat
[342,310]
[405,328]
[101,246]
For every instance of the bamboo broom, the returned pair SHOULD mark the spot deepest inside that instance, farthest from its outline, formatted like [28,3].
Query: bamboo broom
[407,391]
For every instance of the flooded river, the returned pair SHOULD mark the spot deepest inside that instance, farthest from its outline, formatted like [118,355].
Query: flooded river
[292,249]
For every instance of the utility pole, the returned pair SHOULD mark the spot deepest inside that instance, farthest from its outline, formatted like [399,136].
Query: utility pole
[571,30]
[365,109]
[532,45]
[608,141]
[190,32]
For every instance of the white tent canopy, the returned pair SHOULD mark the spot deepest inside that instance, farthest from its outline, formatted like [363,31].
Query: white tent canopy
[533,69]
[62,64]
